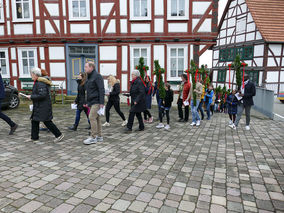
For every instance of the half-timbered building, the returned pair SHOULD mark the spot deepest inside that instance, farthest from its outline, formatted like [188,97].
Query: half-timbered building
[253,29]
[60,35]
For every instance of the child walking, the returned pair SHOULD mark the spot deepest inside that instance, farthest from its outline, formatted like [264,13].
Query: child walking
[232,105]
[165,107]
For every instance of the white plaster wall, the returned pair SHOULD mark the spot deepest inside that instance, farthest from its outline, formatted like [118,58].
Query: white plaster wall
[276,49]
[22,29]
[159,25]
[36,8]
[111,27]
[124,82]
[13,53]
[271,62]
[231,22]
[206,58]
[240,38]
[199,8]
[216,54]
[57,69]
[53,9]
[48,27]
[94,8]
[57,53]
[124,62]
[159,7]
[206,26]
[251,27]
[159,54]
[258,50]
[80,28]
[223,33]
[14,69]
[41,53]
[194,22]
[259,62]
[177,27]
[60,83]
[282,76]
[123,7]
[106,8]
[8,8]
[108,52]
[123,25]
[140,28]
[272,77]
[37,26]
[108,69]
[250,36]
[42,65]
[1,30]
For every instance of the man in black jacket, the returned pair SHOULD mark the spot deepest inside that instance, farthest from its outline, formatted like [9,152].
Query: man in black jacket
[245,102]
[95,99]
[12,125]
[138,102]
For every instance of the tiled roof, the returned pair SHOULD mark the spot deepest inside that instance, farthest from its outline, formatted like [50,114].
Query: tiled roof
[268,16]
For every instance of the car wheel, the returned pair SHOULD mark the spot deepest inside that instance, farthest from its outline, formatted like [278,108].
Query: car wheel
[14,101]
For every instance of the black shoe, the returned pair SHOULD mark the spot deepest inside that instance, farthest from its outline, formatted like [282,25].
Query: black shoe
[139,130]
[127,130]
[73,128]
[180,120]
[89,127]
[43,129]
[185,121]
[13,129]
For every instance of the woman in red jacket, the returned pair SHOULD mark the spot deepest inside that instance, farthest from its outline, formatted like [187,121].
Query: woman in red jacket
[183,99]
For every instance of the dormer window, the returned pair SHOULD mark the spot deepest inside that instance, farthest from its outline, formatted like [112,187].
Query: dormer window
[22,10]
[140,9]
[178,9]
[79,10]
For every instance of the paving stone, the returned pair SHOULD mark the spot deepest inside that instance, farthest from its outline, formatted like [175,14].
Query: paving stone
[63,208]
[187,206]
[31,206]
[121,205]
[138,206]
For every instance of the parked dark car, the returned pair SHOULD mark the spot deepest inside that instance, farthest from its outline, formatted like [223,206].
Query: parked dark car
[11,99]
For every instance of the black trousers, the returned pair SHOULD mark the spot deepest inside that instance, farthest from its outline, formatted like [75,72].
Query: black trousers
[147,114]
[49,124]
[131,120]
[161,113]
[6,118]
[116,105]
[180,111]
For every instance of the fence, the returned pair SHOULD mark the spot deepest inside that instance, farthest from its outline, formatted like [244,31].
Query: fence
[264,102]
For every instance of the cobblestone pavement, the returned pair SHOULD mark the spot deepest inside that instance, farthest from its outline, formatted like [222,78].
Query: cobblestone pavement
[188,169]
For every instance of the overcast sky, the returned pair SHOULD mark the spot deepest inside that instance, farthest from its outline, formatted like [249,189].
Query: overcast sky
[206,58]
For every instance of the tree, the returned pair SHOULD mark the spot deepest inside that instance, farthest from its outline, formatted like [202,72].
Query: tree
[204,74]
[158,71]
[194,72]
[237,65]
[142,68]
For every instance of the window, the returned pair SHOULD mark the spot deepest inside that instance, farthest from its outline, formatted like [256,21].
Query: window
[177,61]
[79,10]
[245,53]
[253,76]
[221,76]
[140,10]
[27,60]
[4,63]
[178,9]
[22,10]
[137,52]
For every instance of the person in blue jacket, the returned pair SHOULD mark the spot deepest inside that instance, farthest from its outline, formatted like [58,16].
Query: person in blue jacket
[208,100]
[232,105]
[12,125]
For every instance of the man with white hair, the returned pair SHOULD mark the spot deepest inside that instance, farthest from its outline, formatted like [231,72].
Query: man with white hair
[138,102]
[12,125]
[95,99]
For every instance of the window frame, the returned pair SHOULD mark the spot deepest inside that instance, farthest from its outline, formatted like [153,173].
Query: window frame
[186,12]
[253,75]
[140,18]
[14,12]
[20,60]
[169,47]
[7,75]
[70,12]
[145,46]
[223,74]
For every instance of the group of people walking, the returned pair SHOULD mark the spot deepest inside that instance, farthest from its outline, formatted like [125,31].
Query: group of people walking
[91,96]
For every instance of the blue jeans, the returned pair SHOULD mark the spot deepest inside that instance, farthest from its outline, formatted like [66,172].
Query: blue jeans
[208,110]
[78,115]
[200,108]
[195,115]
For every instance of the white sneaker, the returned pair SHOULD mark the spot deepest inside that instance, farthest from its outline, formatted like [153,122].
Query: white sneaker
[124,123]
[198,123]
[167,127]
[247,128]
[99,139]
[106,124]
[160,126]
[193,124]
[59,138]
[230,122]
[233,126]
[90,140]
